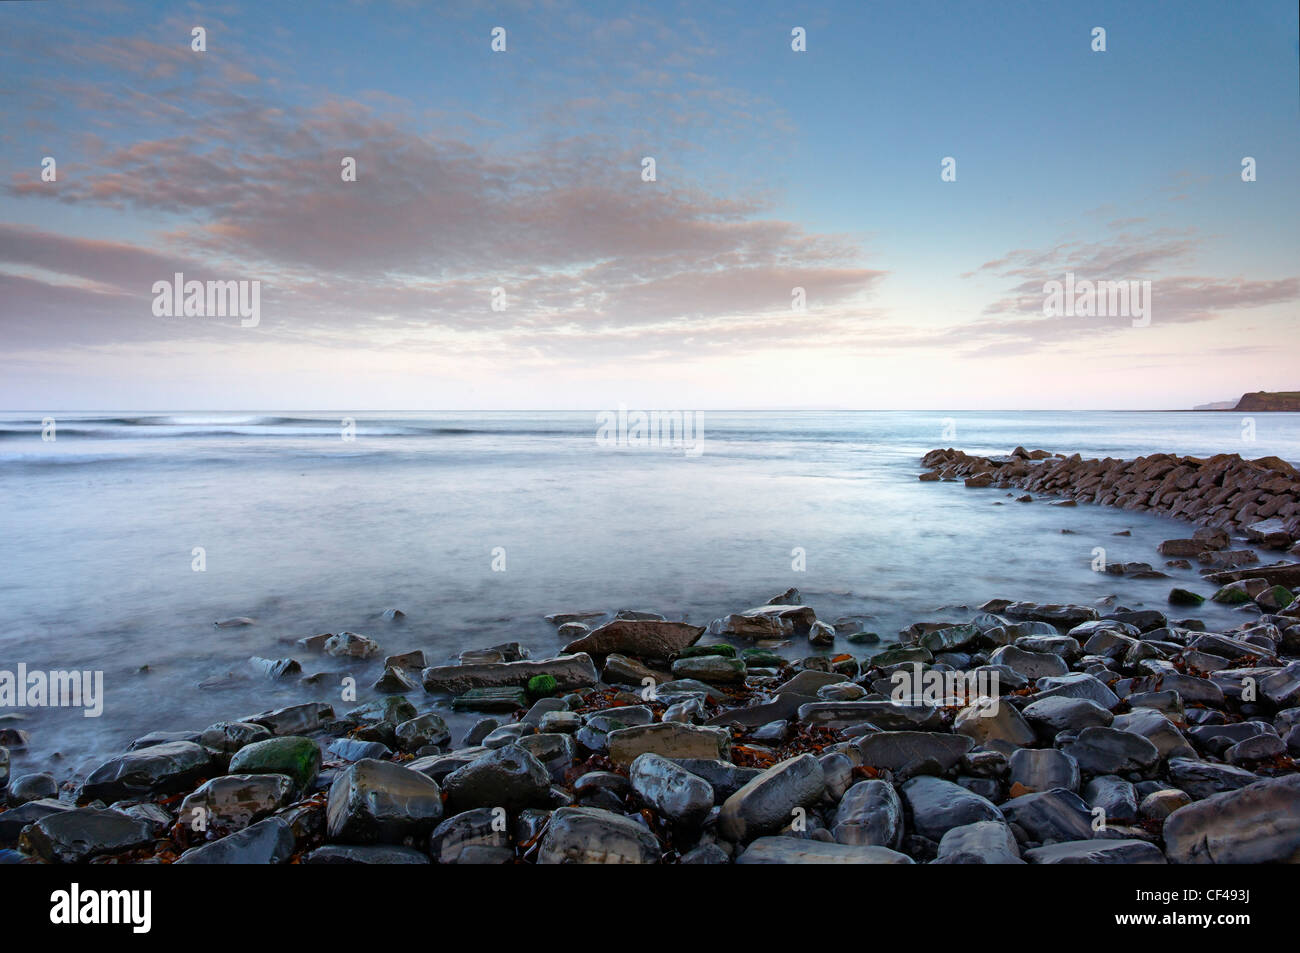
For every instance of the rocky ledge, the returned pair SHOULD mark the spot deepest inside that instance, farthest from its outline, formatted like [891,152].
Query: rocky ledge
[1260,498]
[1042,734]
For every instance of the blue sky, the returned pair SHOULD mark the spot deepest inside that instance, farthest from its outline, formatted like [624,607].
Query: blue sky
[521,170]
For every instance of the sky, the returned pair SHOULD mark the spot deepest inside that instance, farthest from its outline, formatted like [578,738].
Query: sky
[502,248]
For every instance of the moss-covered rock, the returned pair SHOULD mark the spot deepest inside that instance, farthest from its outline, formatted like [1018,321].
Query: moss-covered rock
[541,686]
[291,755]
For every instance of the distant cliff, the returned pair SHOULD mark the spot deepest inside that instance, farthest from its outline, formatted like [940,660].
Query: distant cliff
[1263,400]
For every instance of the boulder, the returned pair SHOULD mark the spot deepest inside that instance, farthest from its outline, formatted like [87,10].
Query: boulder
[984,842]
[767,803]
[1258,824]
[160,769]
[266,842]
[378,801]
[73,837]
[641,639]
[588,835]
[234,801]
[870,813]
[937,806]
[297,757]
[677,794]
[507,777]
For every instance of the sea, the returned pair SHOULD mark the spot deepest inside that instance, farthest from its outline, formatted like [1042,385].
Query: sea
[125,536]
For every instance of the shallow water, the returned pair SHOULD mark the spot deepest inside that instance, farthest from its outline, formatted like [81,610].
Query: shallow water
[307,532]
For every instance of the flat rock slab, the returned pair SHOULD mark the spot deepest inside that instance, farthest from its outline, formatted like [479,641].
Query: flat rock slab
[642,639]
[1097,851]
[781,708]
[71,837]
[569,672]
[670,739]
[1259,824]
[899,749]
[792,850]
[266,842]
[160,769]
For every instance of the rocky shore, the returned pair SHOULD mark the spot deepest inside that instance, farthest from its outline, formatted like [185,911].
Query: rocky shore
[1260,498]
[1042,734]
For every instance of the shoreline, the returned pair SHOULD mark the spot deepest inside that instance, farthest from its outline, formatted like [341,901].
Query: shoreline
[1038,733]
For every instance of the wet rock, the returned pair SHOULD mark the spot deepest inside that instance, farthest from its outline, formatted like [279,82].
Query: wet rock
[507,777]
[705,854]
[266,842]
[555,751]
[789,850]
[1031,665]
[985,723]
[230,736]
[276,668]
[235,801]
[161,769]
[365,854]
[1116,797]
[295,719]
[621,670]
[481,827]
[1076,685]
[569,672]
[351,645]
[765,804]
[937,806]
[395,681]
[1258,824]
[411,661]
[298,758]
[380,801]
[1050,816]
[15,819]
[679,795]
[31,787]
[765,622]
[1042,769]
[582,835]
[1096,852]
[1157,729]
[1260,748]
[642,639]
[984,842]
[350,749]
[73,837]
[870,813]
[1158,805]
[422,730]
[723,777]
[671,739]
[1201,779]
[885,715]
[711,669]
[1109,751]
[1054,714]
[896,750]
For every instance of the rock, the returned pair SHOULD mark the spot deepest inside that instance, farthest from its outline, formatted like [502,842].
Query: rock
[161,769]
[765,622]
[1096,852]
[1202,779]
[1157,729]
[367,854]
[1054,714]
[621,670]
[350,749]
[885,715]
[896,750]
[31,787]
[1109,751]
[395,681]
[230,736]
[1076,685]
[298,758]
[556,752]
[670,739]
[711,669]
[984,842]
[705,854]
[677,794]
[481,827]
[1259,748]
[560,721]
[1116,797]
[295,719]
[789,850]
[584,835]
[985,723]
[411,661]
[1042,769]
[783,707]
[1031,665]
[423,730]
[870,813]
[766,804]
[937,806]
[234,801]
[808,682]
[1282,688]
[491,699]
[1050,816]
[1258,824]
[507,777]
[266,842]
[569,672]
[73,837]
[351,645]
[723,777]
[14,820]
[1158,805]
[380,801]
[642,639]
